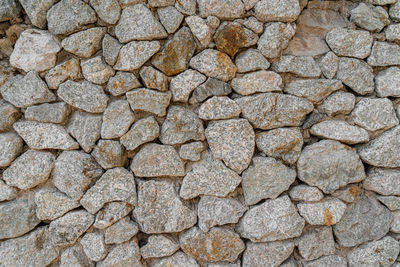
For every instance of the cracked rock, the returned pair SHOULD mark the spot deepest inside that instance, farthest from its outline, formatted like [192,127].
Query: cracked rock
[191,151]
[159,246]
[107,10]
[313,90]
[93,245]
[143,131]
[121,231]
[212,87]
[251,60]
[388,82]
[109,154]
[303,66]
[10,147]
[121,83]
[275,38]
[54,113]
[384,54]
[383,181]
[68,70]
[154,79]
[85,128]
[96,71]
[338,103]
[111,48]
[125,254]
[200,29]
[356,74]
[329,64]
[369,17]
[316,242]
[111,213]
[183,84]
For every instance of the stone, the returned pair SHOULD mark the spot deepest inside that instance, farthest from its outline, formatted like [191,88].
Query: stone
[214,64]
[7,192]
[170,18]
[275,10]
[329,64]
[93,245]
[177,52]
[121,231]
[275,38]
[74,171]
[391,202]
[222,9]
[149,101]
[109,11]
[8,115]
[17,217]
[158,206]
[219,108]
[329,165]
[395,226]
[338,103]
[121,83]
[96,71]
[331,260]
[68,228]
[209,176]
[109,154]
[369,17]
[266,178]
[68,70]
[24,91]
[394,12]
[305,193]
[363,221]
[267,254]
[388,82]
[27,251]
[40,135]
[212,87]
[159,246]
[384,54]
[184,83]
[154,160]
[181,125]
[251,60]
[75,256]
[68,16]
[231,141]
[281,143]
[200,30]
[315,90]
[35,50]
[375,114]
[340,131]
[143,131]
[36,11]
[303,66]
[383,181]
[111,213]
[382,252]
[227,245]
[10,147]
[134,54]
[327,212]
[54,113]
[349,194]
[10,10]
[392,32]
[274,219]
[350,43]
[251,22]
[154,79]
[138,23]
[117,119]
[356,74]
[85,128]
[179,259]
[111,48]
[272,110]
[84,43]
[257,82]
[125,254]
[29,169]
[316,242]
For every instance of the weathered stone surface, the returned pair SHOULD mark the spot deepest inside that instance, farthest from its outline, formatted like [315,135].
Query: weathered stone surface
[200,29]
[93,245]
[275,38]
[10,10]
[10,147]
[266,178]
[303,66]
[272,110]
[83,95]
[394,12]
[340,131]
[191,151]
[134,54]
[138,23]
[257,82]
[74,171]
[313,90]
[327,212]
[329,165]
[350,43]
[267,254]
[159,246]
[68,16]
[391,202]
[154,79]
[158,206]
[143,131]
[384,54]
[395,225]
[179,259]
[392,32]
[363,221]
[212,87]
[316,242]
[111,48]
[149,101]
[183,84]
[251,60]
[338,103]
[117,119]
[107,10]
[96,71]
[170,18]
[53,113]
[331,260]
[383,181]
[227,245]
[121,231]
[154,160]
[219,108]
[305,193]
[275,219]
[7,192]
[36,11]
[111,213]
[68,70]
[356,74]
[40,135]
[369,17]
[274,10]
[109,154]
[84,43]
[349,194]
[8,115]
[121,83]
[125,254]
[222,9]
[329,64]
[388,82]
[214,64]
[85,128]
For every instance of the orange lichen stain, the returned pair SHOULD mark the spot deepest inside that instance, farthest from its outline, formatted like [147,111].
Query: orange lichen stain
[230,39]
[354,191]
[377,250]
[390,260]
[225,64]
[119,84]
[328,217]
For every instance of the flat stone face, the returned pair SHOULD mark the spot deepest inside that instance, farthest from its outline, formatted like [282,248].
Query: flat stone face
[7,192]
[121,231]
[179,259]
[274,10]
[305,193]
[94,246]
[340,131]
[317,242]
[303,66]
[68,70]
[96,71]
[158,204]
[111,48]
[149,101]
[54,113]
[134,54]
[388,82]
[275,38]
[251,60]
[272,220]
[327,212]
[219,108]
[338,103]
[384,54]
[112,212]
[257,82]
[121,83]
[84,43]
[10,147]
[170,18]
[117,119]
[8,115]
[391,202]
[227,245]
[74,255]
[138,23]
[109,154]
[329,165]
[356,74]
[350,43]
[85,128]
[108,10]
[212,87]
[267,254]
[383,181]
[329,64]
[142,131]
[125,254]
[191,151]
[183,84]
[159,246]
[223,9]
[200,29]
[369,17]
[154,79]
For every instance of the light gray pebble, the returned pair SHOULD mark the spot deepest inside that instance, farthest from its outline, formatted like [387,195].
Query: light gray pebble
[191,151]
[328,64]
[340,131]
[109,154]
[149,100]
[107,10]
[111,48]
[338,103]
[159,246]
[134,54]
[93,245]
[75,256]
[121,231]
[112,212]
[121,83]
[327,212]
[316,242]
[251,60]
[222,9]
[184,83]
[384,54]
[143,131]
[275,10]
[388,82]
[219,108]
[10,147]
[305,193]
[391,202]
[84,43]
[170,18]
[267,254]
[303,66]
[54,113]
[369,17]
[117,119]
[383,181]
[257,82]
[96,71]
[275,38]
[179,259]
[124,254]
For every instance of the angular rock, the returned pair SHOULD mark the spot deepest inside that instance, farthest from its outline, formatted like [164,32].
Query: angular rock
[349,194]
[383,181]
[7,192]
[109,154]
[8,115]
[316,242]
[84,43]
[340,131]
[112,212]
[121,231]
[219,108]
[159,246]
[53,113]
[170,18]
[154,79]
[179,259]
[331,260]
[384,54]
[338,103]
[68,70]
[111,48]
[275,10]
[303,66]
[96,71]
[134,54]
[10,147]
[305,193]
[222,9]
[327,212]
[149,101]
[356,74]
[121,83]
[394,12]
[183,84]
[395,226]
[212,87]
[388,82]
[117,119]
[107,10]
[10,10]
[200,30]
[267,254]
[350,43]
[391,202]
[125,254]
[313,90]
[251,22]
[392,32]
[143,131]
[251,60]
[329,64]
[257,82]
[93,245]
[85,128]
[275,38]
[36,11]
[369,17]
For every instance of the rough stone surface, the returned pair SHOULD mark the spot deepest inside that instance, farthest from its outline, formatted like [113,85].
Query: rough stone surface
[7,192]
[332,260]
[183,84]
[54,113]
[313,90]
[369,17]
[338,103]
[274,10]
[305,193]
[68,70]
[84,43]
[134,54]
[109,10]
[388,82]
[257,82]
[109,154]
[191,151]
[10,10]
[384,54]
[170,18]
[121,83]
[350,43]
[96,71]
[200,29]
[317,242]
[212,87]
[125,254]
[85,128]
[219,108]
[251,60]
[143,131]
[159,246]
[121,231]
[303,66]
[154,79]
[93,245]
[340,131]
[8,115]
[223,9]
[383,181]
[149,101]
[112,212]
[117,118]
[329,64]
[267,254]
[111,48]
[275,39]
[10,147]
[327,212]
[179,259]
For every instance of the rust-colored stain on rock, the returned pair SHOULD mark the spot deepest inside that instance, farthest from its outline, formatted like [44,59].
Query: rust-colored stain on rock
[328,217]
[230,39]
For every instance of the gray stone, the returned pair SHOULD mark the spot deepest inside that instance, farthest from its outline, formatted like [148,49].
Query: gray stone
[212,87]
[331,261]
[7,192]
[266,178]
[272,110]
[275,39]
[388,82]
[24,91]
[257,82]
[363,221]
[380,2]
[200,30]
[111,48]
[68,70]
[40,135]
[121,231]
[54,113]
[316,242]
[338,103]
[275,219]
[275,10]
[154,160]
[214,211]
[224,264]
[340,131]
[36,11]
[17,217]
[329,64]
[281,143]
[121,83]
[303,66]
[68,16]
[96,71]
[74,171]
[383,181]
[226,244]
[149,101]
[191,151]
[251,60]
[356,74]
[84,43]
[93,245]
[349,43]
[382,252]
[219,108]
[329,165]
[209,177]
[75,256]
[158,207]
[83,95]
[251,22]
[109,154]
[10,147]
[138,23]
[159,246]
[369,17]
[349,194]
[267,254]
[117,119]
[112,212]
[134,54]
[394,12]
[109,11]
[8,115]
[29,169]
[222,9]
[327,212]
[35,50]
[125,254]
[384,54]
[305,193]
[85,128]
[313,90]
[143,131]
[179,259]
[170,18]
[392,32]
[183,84]
[10,9]
[391,202]
[395,226]
[154,79]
